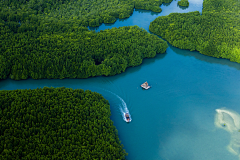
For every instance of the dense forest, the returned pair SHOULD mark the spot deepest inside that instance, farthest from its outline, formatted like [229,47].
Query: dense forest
[45,39]
[77,54]
[57,123]
[85,12]
[214,33]
[183,3]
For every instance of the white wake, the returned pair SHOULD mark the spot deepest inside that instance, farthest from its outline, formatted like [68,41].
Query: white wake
[122,108]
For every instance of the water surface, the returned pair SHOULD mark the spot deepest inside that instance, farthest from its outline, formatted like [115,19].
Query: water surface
[142,18]
[174,120]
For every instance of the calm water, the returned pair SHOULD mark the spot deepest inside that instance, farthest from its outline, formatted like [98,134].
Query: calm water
[174,120]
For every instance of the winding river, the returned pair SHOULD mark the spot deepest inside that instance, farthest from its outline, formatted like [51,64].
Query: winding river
[174,120]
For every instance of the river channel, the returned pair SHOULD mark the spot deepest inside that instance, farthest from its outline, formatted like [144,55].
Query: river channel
[173,120]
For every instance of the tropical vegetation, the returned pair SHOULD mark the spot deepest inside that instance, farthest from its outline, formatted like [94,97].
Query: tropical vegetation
[83,12]
[183,3]
[78,53]
[215,32]
[49,39]
[57,123]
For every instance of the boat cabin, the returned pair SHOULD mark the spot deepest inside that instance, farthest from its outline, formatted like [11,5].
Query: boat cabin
[127,115]
[145,85]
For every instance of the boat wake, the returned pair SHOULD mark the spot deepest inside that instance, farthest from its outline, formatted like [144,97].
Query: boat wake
[123,109]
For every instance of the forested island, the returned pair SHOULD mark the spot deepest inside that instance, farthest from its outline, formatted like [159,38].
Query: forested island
[48,39]
[214,33]
[57,123]
[183,3]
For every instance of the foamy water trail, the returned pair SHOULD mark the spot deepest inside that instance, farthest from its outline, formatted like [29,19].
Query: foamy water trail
[122,107]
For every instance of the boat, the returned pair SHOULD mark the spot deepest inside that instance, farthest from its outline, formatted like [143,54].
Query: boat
[145,85]
[127,117]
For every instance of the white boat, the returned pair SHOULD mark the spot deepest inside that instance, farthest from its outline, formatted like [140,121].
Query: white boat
[145,85]
[127,117]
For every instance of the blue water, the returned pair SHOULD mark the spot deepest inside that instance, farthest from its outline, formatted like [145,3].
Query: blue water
[142,18]
[174,120]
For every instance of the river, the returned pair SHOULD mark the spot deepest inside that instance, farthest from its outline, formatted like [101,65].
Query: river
[174,120]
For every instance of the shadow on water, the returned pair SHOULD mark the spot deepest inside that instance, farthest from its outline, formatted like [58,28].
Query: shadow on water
[166,4]
[205,58]
[122,20]
[146,11]
[4,82]
[146,61]
[131,70]
[109,24]
[183,8]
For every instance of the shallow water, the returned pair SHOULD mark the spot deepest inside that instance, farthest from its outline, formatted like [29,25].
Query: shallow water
[174,120]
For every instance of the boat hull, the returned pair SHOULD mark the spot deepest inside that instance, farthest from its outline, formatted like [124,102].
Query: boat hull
[145,87]
[127,119]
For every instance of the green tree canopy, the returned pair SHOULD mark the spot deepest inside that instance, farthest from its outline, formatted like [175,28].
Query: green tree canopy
[214,33]
[183,3]
[57,123]
[49,39]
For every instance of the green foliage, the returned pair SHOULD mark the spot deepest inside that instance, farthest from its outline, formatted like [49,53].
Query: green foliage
[214,33]
[77,53]
[57,123]
[152,5]
[47,39]
[183,3]
[4,67]
[83,12]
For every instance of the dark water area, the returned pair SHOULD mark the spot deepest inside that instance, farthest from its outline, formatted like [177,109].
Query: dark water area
[174,119]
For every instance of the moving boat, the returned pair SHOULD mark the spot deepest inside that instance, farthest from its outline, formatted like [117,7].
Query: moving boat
[127,117]
[145,85]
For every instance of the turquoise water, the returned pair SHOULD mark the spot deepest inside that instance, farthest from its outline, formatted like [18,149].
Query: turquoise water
[142,18]
[174,120]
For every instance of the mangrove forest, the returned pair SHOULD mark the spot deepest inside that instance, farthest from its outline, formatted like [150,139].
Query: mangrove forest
[57,123]
[215,32]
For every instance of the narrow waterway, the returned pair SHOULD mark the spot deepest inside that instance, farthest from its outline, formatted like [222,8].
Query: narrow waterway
[174,120]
